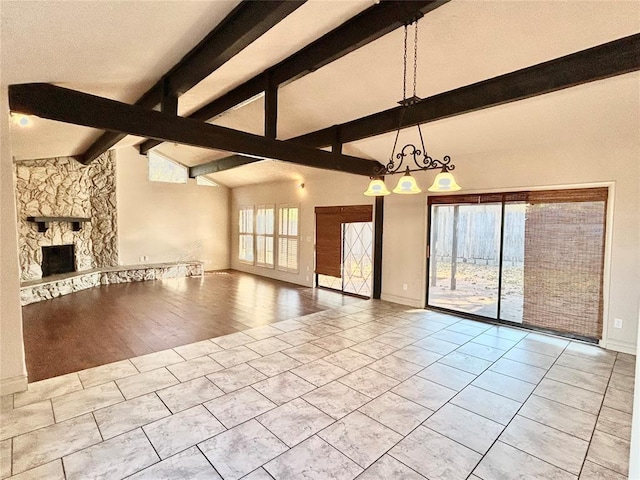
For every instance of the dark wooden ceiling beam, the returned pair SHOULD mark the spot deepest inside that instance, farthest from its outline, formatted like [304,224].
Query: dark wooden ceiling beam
[607,60]
[271,109]
[226,163]
[70,106]
[356,32]
[603,61]
[247,22]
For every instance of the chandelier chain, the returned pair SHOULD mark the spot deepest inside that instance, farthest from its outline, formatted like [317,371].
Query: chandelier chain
[415,59]
[415,152]
[404,71]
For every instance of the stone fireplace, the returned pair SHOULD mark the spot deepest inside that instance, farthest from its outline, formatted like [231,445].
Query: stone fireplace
[64,188]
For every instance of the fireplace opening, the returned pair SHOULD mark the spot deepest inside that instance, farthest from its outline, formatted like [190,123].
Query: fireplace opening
[58,259]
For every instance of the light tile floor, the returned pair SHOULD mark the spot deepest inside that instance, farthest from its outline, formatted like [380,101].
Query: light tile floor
[373,390]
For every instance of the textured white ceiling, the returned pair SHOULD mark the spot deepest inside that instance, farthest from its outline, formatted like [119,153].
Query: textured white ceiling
[70,43]
[115,49]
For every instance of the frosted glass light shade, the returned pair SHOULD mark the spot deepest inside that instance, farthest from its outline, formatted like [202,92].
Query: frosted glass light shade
[377,188]
[407,185]
[444,182]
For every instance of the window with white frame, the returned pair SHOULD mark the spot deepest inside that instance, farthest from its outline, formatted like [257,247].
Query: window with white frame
[265,230]
[288,238]
[163,169]
[245,234]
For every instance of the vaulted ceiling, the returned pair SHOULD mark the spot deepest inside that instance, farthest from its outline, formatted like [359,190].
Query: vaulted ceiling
[121,49]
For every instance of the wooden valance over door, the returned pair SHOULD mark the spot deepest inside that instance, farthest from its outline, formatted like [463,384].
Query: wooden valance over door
[329,222]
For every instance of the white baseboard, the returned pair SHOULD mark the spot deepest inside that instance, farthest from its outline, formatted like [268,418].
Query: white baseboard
[411,302]
[13,384]
[620,346]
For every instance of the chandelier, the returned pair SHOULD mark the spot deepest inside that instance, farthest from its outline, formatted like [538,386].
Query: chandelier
[401,161]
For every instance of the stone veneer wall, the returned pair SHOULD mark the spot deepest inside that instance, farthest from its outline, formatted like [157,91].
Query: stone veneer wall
[63,187]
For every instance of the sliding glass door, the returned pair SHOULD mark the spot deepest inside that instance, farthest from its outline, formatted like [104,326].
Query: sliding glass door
[465,255]
[512,285]
[531,258]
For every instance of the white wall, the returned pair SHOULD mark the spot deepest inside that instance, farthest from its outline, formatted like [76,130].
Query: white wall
[326,189]
[169,222]
[13,372]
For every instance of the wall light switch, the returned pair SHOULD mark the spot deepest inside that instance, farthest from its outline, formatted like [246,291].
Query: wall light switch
[405,287]
[617,323]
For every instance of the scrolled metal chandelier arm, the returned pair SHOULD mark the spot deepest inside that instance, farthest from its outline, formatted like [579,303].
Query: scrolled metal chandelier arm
[421,160]
[434,164]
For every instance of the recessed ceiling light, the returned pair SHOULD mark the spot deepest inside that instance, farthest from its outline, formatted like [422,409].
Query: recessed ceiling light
[21,120]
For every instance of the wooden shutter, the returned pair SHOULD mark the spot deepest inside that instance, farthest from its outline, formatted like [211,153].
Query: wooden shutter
[356,213]
[328,241]
[329,222]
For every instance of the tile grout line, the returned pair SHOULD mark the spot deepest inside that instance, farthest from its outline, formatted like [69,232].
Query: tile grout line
[160,459]
[597,416]
[197,445]
[64,470]
[422,423]
[514,416]
[11,458]
[596,424]
[333,423]
[482,455]
[522,404]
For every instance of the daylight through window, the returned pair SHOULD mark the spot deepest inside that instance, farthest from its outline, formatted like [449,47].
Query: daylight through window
[288,238]
[265,228]
[163,169]
[245,237]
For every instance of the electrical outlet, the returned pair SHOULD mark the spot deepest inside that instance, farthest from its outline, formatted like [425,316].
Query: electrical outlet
[405,287]
[617,323]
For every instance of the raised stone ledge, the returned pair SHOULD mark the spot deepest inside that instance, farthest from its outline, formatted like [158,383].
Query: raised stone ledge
[57,285]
